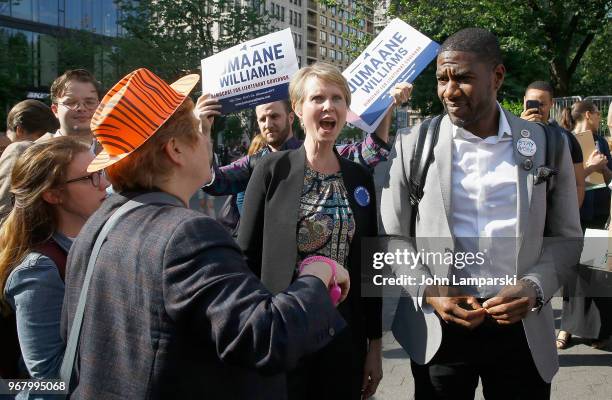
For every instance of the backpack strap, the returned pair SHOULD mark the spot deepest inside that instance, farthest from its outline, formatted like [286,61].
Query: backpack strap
[67,367]
[421,159]
[554,147]
[554,151]
[51,249]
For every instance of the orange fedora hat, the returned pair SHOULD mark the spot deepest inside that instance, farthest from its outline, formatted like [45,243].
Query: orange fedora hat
[132,111]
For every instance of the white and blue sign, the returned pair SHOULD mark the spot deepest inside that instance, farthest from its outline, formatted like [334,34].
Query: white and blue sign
[252,73]
[398,54]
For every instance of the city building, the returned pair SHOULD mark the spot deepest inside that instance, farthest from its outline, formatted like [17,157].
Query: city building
[330,36]
[46,36]
[381,19]
[320,33]
[288,14]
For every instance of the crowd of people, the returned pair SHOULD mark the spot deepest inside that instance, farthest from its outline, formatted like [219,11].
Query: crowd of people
[111,282]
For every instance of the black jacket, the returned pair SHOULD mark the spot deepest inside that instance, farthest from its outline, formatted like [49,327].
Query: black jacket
[174,312]
[268,232]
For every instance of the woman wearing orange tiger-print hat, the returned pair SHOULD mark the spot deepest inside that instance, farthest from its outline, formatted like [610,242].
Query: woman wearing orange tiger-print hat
[170,309]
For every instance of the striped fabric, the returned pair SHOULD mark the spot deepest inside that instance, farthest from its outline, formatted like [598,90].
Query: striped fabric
[132,111]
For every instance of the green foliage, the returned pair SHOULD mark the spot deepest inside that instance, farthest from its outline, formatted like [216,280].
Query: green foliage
[15,71]
[233,129]
[594,77]
[514,106]
[349,132]
[171,37]
[540,40]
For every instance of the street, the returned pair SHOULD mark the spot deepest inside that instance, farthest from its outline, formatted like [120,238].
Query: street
[585,373]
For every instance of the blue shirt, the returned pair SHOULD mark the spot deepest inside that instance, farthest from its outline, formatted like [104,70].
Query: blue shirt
[35,290]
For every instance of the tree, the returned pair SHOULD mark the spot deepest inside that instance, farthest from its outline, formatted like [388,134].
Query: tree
[170,37]
[16,71]
[593,73]
[350,133]
[541,39]
[232,134]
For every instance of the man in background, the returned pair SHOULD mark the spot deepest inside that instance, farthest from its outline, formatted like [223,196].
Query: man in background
[541,93]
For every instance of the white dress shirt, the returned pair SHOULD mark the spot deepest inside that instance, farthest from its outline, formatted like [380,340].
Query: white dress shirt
[484,203]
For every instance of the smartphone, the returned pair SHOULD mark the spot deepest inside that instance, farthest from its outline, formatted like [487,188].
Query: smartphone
[532,104]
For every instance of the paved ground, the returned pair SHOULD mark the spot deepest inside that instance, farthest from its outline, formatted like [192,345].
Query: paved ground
[585,373]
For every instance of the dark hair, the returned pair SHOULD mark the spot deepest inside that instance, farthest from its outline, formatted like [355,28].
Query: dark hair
[79,75]
[287,104]
[543,86]
[569,117]
[32,116]
[475,40]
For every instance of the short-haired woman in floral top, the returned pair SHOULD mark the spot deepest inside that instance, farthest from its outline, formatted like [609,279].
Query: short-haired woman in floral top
[312,202]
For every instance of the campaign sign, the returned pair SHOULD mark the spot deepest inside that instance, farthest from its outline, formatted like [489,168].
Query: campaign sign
[398,54]
[251,73]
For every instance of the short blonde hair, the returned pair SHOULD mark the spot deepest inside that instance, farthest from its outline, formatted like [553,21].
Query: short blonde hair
[325,72]
[148,164]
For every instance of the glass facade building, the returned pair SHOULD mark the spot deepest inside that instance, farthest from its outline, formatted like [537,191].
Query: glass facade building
[42,38]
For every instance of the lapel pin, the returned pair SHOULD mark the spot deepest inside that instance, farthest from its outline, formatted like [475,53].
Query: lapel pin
[362,196]
[526,147]
[527,164]
[525,133]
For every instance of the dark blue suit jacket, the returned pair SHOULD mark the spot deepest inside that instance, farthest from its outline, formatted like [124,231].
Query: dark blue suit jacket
[174,312]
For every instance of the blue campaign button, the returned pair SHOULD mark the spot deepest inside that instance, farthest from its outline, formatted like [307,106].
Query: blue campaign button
[362,196]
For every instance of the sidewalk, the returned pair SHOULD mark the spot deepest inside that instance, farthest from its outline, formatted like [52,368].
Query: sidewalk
[585,373]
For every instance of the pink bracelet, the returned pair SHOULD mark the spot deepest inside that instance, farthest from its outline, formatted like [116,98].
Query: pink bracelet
[334,291]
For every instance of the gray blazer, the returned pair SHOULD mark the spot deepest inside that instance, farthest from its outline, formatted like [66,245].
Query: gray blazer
[544,261]
[174,312]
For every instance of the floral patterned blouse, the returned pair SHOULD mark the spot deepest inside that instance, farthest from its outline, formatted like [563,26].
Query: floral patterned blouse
[325,221]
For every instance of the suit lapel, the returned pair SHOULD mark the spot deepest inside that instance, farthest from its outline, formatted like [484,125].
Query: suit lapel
[351,182]
[524,184]
[278,267]
[443,158]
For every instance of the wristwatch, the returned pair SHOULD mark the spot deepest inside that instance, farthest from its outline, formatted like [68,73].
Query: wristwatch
[539,295]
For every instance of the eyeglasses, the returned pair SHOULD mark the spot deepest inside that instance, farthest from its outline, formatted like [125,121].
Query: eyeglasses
[94,177]
[89,104]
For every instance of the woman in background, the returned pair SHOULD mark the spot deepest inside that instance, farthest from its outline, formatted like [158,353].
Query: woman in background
[27,121]
[578,316]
